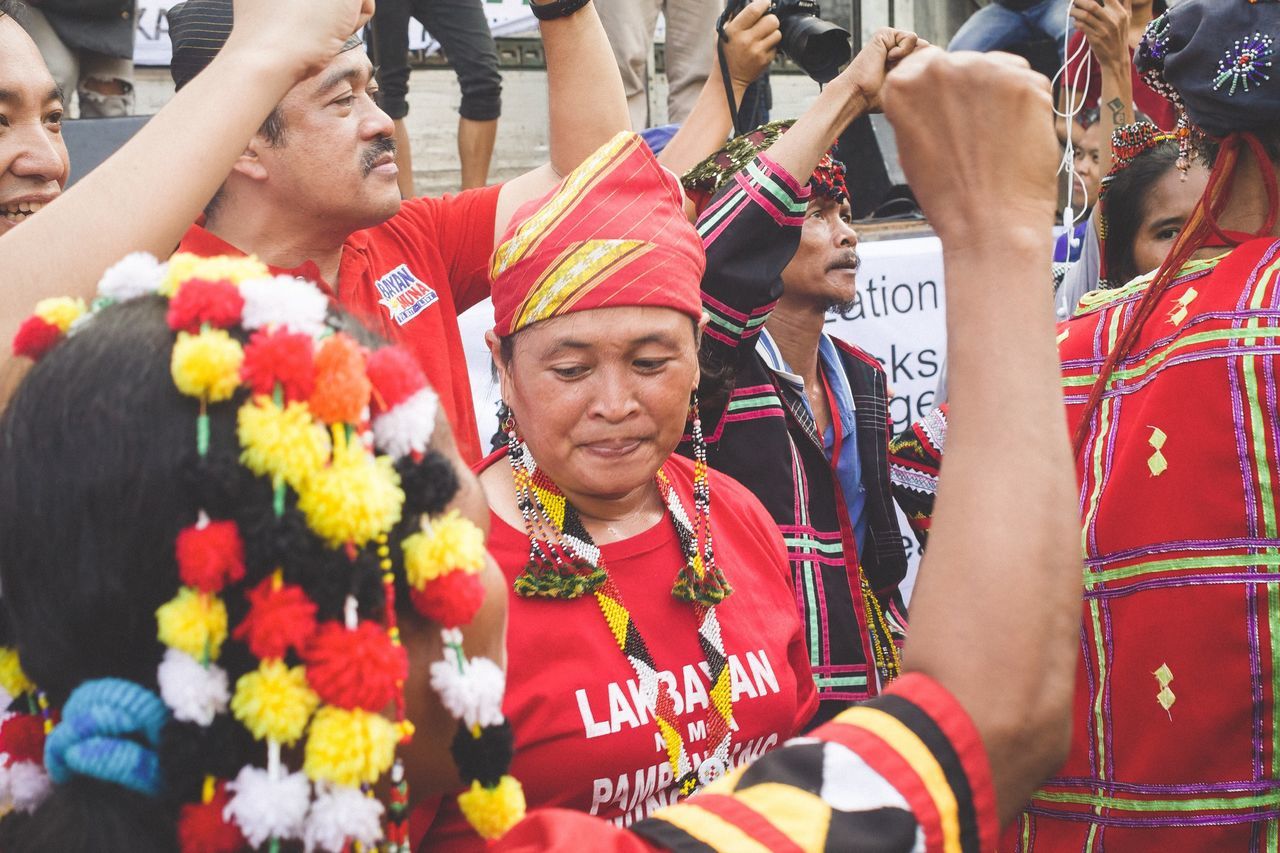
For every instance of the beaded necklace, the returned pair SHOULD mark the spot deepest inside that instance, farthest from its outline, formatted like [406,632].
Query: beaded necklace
[564,562]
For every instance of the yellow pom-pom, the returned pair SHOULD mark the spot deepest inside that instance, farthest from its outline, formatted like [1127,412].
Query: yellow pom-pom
[493,811]
[12,679]
[355,499]
[185,266]
[349,747]
[61,311]
[274,701]
[207,364]
[452,543]
[193,622]
[285,443]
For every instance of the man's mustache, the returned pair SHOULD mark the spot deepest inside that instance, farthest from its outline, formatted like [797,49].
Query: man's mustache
[381,146]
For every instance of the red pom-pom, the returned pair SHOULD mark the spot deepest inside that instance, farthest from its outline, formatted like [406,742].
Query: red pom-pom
[279,357]
[210,557]
[342,388]
[35,337]
[279,618]
[22,739]
[202,829]
[453,599]
[355,669]
[199,301]
[396,377]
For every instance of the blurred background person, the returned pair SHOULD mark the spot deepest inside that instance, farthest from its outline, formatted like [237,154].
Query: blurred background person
[88,46]
[463,32]
[690,50]
[1008,24]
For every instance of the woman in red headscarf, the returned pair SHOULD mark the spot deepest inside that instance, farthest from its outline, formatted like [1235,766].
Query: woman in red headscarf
[653,640]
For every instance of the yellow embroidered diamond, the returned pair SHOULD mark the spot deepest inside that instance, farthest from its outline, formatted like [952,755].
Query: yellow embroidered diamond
[1157,463]
[1180,313]
[1165,697]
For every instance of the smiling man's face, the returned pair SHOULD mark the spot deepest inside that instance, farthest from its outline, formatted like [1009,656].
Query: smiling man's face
[33,156]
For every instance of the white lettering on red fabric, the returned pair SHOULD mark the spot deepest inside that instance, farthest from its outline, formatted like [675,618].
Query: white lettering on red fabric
[618,705]
[404,295]
[630,797]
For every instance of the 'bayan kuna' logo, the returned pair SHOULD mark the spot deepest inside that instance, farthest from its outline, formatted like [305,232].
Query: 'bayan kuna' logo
[404,296]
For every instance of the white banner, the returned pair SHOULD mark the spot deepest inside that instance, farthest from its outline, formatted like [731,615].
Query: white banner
[151,39]
[899,317]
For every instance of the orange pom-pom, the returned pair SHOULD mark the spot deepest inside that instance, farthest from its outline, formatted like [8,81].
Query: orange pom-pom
[360,668]
[280,617]
[453,599]
[202,828]
[341,389]
[198,301]
[279,357]
[211,556]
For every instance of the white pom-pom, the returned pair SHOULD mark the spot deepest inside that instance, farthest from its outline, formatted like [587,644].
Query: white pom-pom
[341,814]
[29,785]
[195,693]
[137,274]
[284,301]
[407,427]
[266,808]
[473,696]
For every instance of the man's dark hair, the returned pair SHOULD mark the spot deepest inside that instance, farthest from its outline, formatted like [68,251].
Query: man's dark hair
[9,7]
[272,130]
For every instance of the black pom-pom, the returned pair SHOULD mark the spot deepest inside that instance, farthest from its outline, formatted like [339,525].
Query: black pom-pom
[428,485]
[189,753]
[330,576]
[271,543]
[485,758]
[214,482]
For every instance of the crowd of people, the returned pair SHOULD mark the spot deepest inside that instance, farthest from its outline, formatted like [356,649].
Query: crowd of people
[261,589]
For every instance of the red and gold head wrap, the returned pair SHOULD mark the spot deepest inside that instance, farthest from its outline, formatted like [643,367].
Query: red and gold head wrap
[613,234]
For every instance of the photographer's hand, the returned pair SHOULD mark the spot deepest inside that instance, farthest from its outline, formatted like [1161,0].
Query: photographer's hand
[877,58]
[752,42]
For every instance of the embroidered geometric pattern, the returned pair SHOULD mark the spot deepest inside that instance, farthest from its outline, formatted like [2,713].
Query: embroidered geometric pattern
[1181,545]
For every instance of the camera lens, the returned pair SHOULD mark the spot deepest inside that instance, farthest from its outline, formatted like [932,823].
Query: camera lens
[817,46]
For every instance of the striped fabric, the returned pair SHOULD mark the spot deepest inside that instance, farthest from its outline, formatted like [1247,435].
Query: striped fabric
[767,441]
[905,772]
[1177,733]
[612,234]
[914,459]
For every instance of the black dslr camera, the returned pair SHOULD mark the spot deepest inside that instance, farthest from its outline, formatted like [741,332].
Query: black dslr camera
[817,46]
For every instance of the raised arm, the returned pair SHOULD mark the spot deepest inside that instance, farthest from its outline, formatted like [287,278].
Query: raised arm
[1106,29]
[1005,541]
[750,235]
[752,41]
[185,151]
[587,106]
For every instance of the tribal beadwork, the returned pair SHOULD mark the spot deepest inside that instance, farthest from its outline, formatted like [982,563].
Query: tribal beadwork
[566,563]
[1242,64]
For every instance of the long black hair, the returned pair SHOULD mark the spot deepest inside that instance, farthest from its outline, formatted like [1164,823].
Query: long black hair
[1127,204]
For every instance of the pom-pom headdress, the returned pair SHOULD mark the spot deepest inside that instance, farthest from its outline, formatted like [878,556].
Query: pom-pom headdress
[332,428]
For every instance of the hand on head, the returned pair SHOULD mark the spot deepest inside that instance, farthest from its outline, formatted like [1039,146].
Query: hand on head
[976,141]
[752,43]
[304,34]
[877,58]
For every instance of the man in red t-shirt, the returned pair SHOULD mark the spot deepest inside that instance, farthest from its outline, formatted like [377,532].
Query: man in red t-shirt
[315,192]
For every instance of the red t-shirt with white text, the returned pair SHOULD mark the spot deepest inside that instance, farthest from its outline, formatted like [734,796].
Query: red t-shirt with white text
[408,279]
[584,738]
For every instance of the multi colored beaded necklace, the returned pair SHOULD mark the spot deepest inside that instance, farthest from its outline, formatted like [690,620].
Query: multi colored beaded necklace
[564,562]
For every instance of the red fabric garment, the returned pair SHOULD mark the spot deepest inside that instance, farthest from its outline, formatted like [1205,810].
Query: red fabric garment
[1156,107]
[857,811]
[407,280]
[1175,740]
[583,739]
[613,233]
